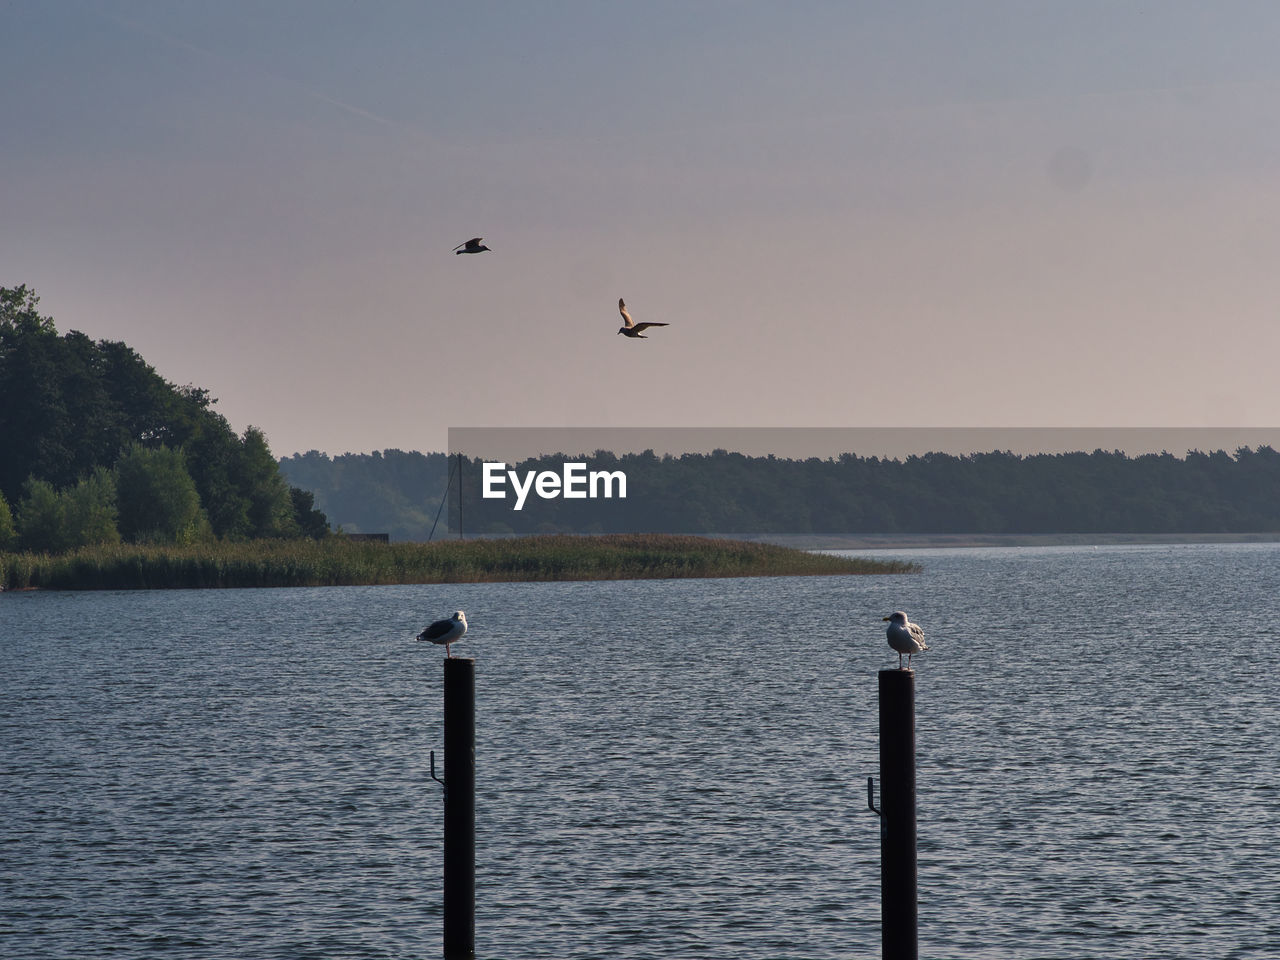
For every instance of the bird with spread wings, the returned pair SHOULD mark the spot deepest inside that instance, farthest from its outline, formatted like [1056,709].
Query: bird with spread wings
[632,329]
[473,245]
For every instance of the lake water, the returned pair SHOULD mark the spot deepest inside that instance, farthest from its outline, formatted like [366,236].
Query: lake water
[665,769]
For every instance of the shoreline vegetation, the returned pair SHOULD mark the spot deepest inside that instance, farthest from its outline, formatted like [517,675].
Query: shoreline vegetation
[337,561]
[909,541]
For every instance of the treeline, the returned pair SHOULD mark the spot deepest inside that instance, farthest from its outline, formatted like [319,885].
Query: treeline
[96,447]
[390,492]
[722,492]
[994,492]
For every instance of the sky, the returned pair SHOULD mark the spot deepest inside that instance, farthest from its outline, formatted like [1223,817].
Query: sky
[875,214]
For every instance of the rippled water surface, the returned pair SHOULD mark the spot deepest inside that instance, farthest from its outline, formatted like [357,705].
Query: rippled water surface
[665,769]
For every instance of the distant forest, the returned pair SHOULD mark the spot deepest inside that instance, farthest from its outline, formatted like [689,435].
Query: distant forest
[991,493]
[390,492]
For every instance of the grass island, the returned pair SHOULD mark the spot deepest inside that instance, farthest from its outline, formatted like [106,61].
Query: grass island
[337,561]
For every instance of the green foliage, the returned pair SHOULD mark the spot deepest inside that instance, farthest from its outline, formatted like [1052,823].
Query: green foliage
[8,532]
[156,497]
[270,507]
[311,522]
[42,518]
[338,561]
[69,406]
[90,510]
[52,520]
[18,312]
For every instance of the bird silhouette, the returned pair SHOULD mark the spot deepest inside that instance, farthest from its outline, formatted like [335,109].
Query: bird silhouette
[471,246]
[632,329]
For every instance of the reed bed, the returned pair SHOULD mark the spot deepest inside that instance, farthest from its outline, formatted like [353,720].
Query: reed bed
[341,562]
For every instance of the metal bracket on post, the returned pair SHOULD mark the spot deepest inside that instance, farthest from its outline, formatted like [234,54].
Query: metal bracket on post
[871,797]
[443,788]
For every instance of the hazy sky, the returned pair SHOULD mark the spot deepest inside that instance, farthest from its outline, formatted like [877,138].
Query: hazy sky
[852,214]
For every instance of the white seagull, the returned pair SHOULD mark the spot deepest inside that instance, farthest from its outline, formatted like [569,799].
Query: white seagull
[904,636]
[471,246]
[633,329]
[446,631]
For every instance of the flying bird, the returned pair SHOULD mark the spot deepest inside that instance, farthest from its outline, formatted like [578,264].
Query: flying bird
[446,631]
[904,636]
[633,329]
[471,246]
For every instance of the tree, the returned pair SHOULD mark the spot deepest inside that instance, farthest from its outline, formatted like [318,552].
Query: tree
[311,522]
[31,402]
[8,532]
[67,404]
[42,518]
[157,498]
[261,484]
[52,521]
[90,510]
[213,453]
[18,312]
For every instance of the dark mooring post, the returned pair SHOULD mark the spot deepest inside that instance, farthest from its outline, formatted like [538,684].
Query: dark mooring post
[898,912]
[459,808]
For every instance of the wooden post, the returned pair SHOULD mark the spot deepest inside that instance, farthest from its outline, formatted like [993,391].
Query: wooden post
[459,808]
[898,907]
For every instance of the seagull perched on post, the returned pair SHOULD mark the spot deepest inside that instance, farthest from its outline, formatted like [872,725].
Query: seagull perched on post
[471,246]
[904,636]
[446,631]
[633,329]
